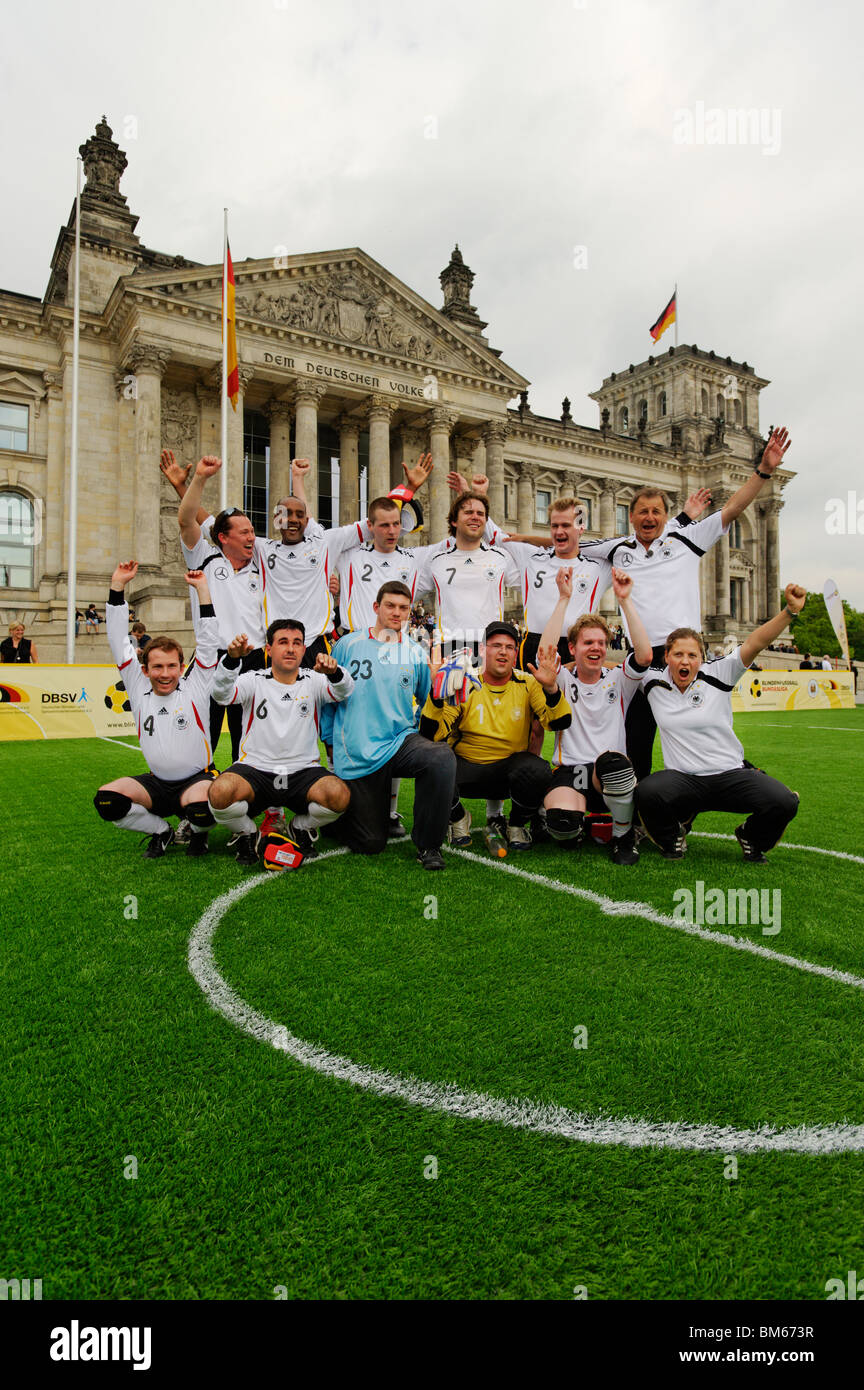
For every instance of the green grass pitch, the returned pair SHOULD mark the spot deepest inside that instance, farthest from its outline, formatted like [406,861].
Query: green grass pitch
[255,1174]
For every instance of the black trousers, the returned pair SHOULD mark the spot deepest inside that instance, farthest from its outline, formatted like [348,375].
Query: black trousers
[528,650]
[319,645]
[255,661]
[523,777]
[665,799]
[640,725]
[433,766]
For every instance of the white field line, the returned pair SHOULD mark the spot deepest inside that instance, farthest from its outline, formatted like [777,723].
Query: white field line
[134,746]
[823,728]
[516,1113]
[785,844]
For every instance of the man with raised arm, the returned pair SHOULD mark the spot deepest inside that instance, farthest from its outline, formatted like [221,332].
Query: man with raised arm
[171,713]
[490,732]
[592,772]
[374,736]
[278,763]
[705,768]
[664,558]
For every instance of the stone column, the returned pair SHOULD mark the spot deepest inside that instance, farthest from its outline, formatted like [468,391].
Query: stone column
[441,422]
[527,472]
[378,413]
[147,363]
[307,397]
[494,435]
[466,449]
[606,520]
[279,415]
[772,555]
[349,469]
[722,596]
[53,518]
[745,617]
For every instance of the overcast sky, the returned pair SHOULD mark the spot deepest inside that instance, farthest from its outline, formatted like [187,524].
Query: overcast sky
[522,131]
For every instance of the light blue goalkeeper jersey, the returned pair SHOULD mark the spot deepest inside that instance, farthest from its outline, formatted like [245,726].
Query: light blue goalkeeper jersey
[388,678]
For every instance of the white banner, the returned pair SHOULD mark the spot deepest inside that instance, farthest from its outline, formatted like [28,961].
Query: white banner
[834,604]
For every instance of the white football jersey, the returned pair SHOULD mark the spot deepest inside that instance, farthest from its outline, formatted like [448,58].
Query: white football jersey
[696,729]
[236,594]
[173,730]
[280,720]
[598,709]
[468,587]
[362,571]
[666,574]
[297,577]
[591,579]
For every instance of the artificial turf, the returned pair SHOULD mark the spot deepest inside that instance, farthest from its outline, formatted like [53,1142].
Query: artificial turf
[255,1174]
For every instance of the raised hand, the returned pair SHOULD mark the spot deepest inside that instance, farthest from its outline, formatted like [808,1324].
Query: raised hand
[778,443]
[564,580]
[480,483]
[697,502]
[126,570]
[333,584]
[208,466]
[457,482]
[622,584]
[795,597]
[436,659]
[546,670]
[174,471]
[300,468]
[325,664]
[195,578]
[240,645]
[417,475]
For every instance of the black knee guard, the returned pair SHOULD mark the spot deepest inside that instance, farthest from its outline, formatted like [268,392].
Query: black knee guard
[615,774]
[199,813]
[565,825]
[112,805]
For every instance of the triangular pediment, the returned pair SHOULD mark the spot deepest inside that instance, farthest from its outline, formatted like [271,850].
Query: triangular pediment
[343,297]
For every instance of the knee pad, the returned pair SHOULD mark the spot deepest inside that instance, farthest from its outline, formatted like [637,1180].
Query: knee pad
[565,825]
[615,774]
[199,813]
[112,805]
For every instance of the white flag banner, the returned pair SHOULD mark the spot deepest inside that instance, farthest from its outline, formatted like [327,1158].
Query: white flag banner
[834,604]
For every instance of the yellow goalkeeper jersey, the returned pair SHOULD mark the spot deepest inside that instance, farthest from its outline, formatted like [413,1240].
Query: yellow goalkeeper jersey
[495,721]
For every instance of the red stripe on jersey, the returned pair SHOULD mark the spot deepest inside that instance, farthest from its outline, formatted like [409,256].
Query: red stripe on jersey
[198,719]
[251,716]
[525,596]
[125,664]
[211,667]
[593,595]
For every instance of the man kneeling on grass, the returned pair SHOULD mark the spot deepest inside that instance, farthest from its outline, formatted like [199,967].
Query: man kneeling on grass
[278,762]
[592,773]
[171,712]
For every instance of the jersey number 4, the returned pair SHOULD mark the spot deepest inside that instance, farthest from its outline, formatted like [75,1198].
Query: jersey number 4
[149,724]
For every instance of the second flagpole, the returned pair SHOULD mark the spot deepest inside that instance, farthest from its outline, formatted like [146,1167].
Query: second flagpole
[223,475]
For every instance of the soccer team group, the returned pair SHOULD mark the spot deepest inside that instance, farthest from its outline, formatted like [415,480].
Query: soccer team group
[464,720]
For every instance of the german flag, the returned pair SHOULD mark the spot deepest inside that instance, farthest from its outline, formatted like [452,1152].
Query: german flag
[233,370]
[668,316]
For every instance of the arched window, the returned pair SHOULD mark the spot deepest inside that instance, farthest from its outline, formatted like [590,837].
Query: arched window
[705,407]
[737,410]
[19,521]
[661,403]
[624,419]
[643,412]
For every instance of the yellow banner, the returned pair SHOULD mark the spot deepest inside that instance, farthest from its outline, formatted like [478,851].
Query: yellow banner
[796,690]
[63,702]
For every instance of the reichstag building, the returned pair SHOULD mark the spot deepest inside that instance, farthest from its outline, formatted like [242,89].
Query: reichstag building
[344,364]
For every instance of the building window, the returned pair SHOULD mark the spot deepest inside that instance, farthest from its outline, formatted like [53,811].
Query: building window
[643,412]
[735,598]
[661,403]
[737,405]
[624,419]
[587,511]
[721,405]
[735,535]
[622,519]
[541,506]
[704,401]
[17,541]
[14,426]
[256,470]
[506,499]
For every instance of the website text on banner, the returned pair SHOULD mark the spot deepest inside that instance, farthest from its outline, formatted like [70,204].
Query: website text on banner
[63,702]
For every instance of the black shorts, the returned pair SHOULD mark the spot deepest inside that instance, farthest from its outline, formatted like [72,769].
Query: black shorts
[165,796]
[579,777]
[290,791]
[528,650]
[318,646]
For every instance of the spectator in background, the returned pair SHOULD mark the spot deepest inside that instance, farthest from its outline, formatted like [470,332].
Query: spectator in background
[140,636]
[806,664]
[18,648]
[79,618]
[826,663]
[92,619]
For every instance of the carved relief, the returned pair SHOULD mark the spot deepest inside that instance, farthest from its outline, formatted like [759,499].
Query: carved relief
[179,433]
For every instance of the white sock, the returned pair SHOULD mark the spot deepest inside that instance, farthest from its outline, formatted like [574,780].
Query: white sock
[493,808]
[139,818]
[394,795]
[315,816]
[236,818]
[622,813]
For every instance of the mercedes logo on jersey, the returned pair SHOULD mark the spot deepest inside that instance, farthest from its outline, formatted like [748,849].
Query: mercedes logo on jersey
[625,559]
[221,572]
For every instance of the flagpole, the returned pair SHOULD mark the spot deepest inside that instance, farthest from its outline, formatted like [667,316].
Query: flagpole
[223,474]
[676,314]
[72,566]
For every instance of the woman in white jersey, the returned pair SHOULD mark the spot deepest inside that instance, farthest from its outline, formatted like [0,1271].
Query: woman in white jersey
[705,767]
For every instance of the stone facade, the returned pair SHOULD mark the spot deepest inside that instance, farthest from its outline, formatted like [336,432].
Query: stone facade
[327,341]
